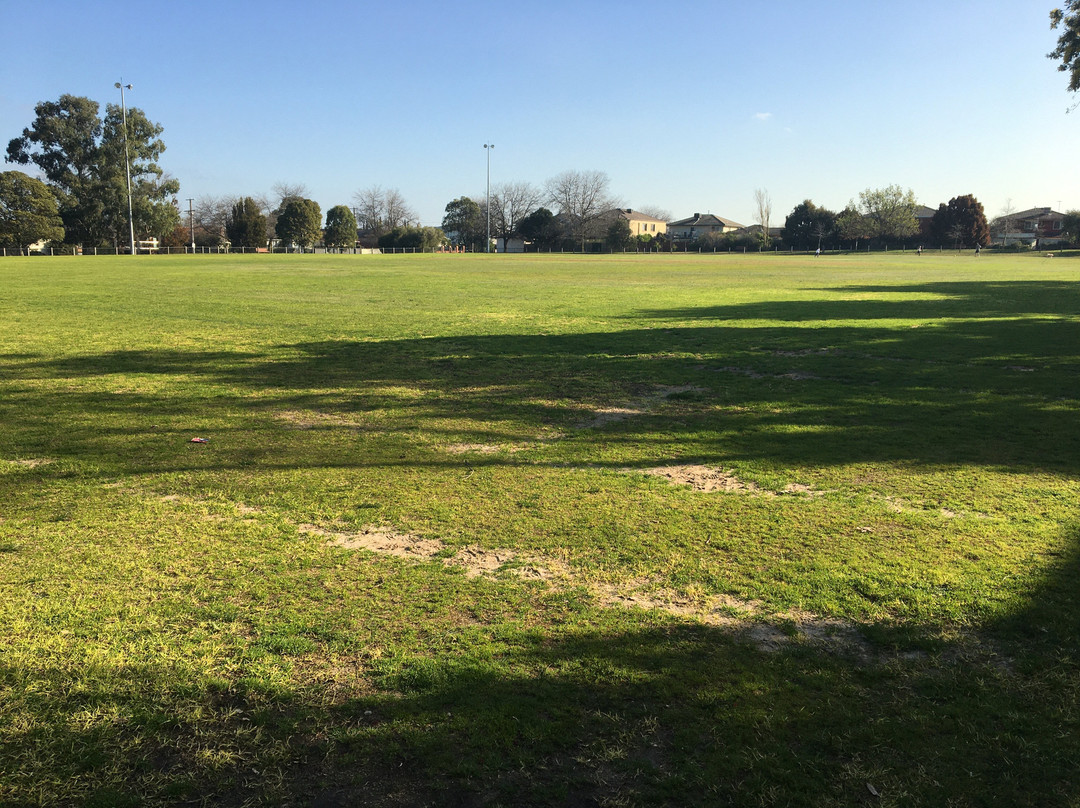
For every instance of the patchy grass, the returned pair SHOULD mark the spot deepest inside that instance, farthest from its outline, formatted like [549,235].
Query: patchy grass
[484,530]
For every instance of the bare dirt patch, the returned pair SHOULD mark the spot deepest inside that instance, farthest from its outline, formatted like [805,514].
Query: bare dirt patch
[796,375]
[313,419]
[476,561]
[745,618]
[29,463]
[708,479]
[701,478]
[380,540]
[473,448]
[633,409]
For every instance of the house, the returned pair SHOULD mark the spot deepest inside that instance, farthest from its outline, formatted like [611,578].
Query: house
[924,215]
[775,233]
[1037,224]
[698,225]
[641,224]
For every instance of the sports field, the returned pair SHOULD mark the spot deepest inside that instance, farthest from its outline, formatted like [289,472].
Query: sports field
[512,530]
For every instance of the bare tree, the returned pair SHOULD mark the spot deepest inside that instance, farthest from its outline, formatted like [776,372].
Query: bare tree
[378,211]
[511,202]
[284,191]
[210,213]
[763,207]
[655,211]
[1005,220]
[398,212]
[582,198]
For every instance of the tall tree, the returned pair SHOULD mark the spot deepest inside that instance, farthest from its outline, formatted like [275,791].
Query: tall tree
[851,225]
[960,223]
[83,158]
[511,202]
[763,209]
[809,226]
[340,228]
[464,222]
[28,211]
[889,212]
[1005,222]
[617,236]
[211,214]
[246,225]
[1068,45]
[541,228]
[300,222]
[1070,227]
[379,211]
[582,198]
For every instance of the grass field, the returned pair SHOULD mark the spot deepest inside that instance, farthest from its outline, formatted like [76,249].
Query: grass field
[483,530]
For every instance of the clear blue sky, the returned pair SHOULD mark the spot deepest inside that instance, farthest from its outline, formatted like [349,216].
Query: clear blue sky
[687,106]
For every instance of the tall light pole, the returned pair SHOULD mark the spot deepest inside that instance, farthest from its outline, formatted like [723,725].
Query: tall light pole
[127,159]
[191,219]
[487,148]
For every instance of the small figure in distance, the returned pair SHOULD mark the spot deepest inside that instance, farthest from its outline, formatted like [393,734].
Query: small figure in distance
[920,249]
[978,249]
[817,252]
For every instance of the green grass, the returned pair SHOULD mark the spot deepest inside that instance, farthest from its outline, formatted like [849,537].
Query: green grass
[885,601]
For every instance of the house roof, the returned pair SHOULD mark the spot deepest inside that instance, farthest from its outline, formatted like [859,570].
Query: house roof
[634,216]
[923,212]
[1037,213]
[706,220]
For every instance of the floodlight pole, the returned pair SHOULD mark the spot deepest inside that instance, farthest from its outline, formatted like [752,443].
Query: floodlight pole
[127,158]
[191,219]
[487,148]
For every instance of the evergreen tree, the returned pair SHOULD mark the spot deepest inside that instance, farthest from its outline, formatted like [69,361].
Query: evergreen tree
[245,225]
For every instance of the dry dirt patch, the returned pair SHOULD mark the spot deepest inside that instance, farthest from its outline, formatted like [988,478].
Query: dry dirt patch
[29,463]
[701,478]
[476,561]
[633,409]
[708,479]
[313,419]
[472,448]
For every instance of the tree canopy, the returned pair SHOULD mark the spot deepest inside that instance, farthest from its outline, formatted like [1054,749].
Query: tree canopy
[960,223]
[83,159]
[340,228]
[28,211]
[809,226]
[889,212]
[511,202]
[541,228]
[464,222]
[245,225]
[300,222]
[582,198]
[378,211]
[1068,45]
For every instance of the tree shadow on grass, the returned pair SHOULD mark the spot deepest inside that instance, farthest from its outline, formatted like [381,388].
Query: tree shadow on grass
[627,708]
[988,377]
[635,709]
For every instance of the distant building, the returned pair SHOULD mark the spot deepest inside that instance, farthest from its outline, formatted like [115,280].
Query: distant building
[698,225]
[924,215]
[1039,224]
[641,224]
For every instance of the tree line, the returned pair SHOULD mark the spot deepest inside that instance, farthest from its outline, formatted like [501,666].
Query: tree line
[84,201]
